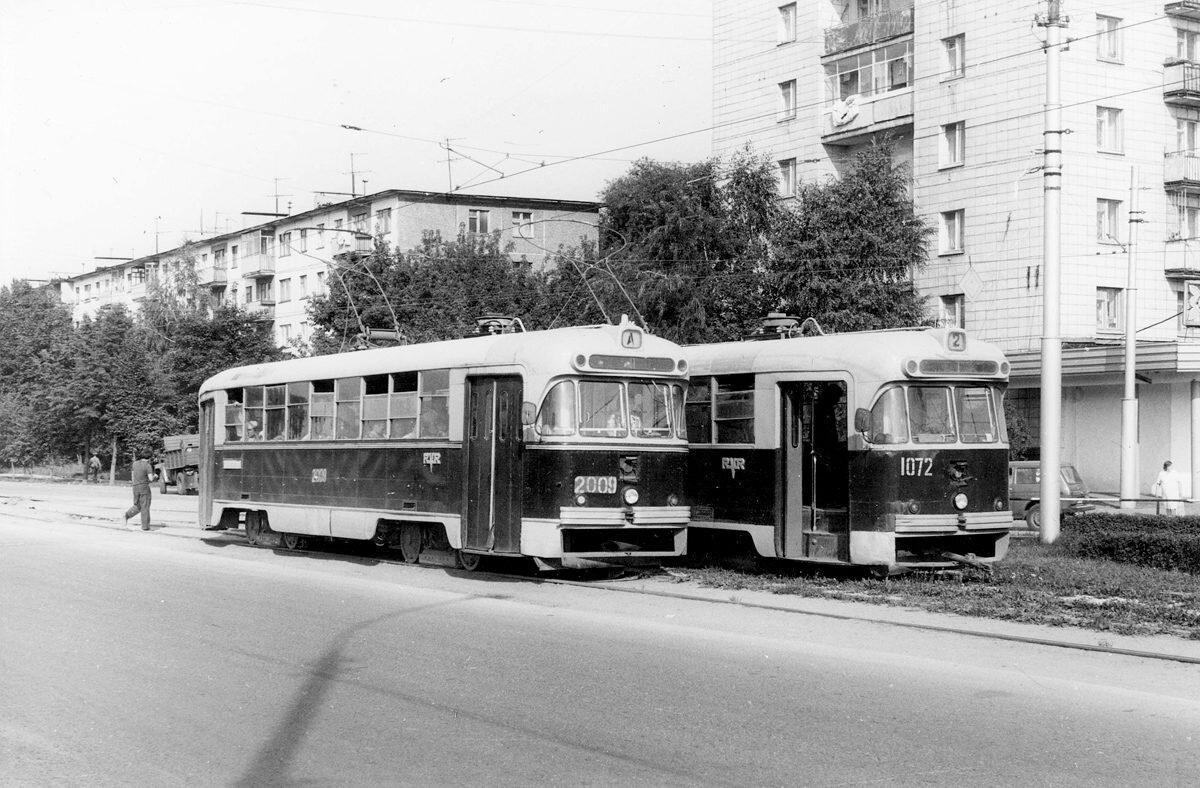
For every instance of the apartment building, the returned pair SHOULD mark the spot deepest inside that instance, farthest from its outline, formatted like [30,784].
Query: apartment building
[272,268]
[960,85]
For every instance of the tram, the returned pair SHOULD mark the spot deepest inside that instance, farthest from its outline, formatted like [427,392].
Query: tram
[567,446]
[884,449]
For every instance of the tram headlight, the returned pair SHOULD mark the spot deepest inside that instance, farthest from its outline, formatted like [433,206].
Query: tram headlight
[999,505]
[960,501]
[672,500]
[580,500]
[630,495]
[914,507]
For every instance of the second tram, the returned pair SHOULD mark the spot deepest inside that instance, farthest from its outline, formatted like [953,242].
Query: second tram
[566,445]
[884,449]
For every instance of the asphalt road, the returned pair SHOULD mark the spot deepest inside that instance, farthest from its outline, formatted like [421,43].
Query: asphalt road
[180,658]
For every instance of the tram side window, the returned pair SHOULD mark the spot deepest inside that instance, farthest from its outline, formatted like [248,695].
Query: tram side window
[889,423]
[254,413]
[234,415]
[699,411]
[321,410]
[734,409]
[600,411]
[375,406]
[349,407]
[297,411]
[275,412]
[404,405]
[976,415]
[929,414]
[557,414]
[435,403]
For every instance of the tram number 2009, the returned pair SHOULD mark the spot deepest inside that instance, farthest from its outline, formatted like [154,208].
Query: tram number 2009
[600,485]
[916,466]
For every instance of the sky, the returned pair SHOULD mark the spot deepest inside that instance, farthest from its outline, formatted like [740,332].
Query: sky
[132,126]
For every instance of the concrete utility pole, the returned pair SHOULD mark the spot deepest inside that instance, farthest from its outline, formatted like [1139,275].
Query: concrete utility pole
[1129,403]
[1051,248]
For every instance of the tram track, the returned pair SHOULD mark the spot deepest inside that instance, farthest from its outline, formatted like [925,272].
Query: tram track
[8,507]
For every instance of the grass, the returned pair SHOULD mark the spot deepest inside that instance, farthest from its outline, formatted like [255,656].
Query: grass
[1035,583]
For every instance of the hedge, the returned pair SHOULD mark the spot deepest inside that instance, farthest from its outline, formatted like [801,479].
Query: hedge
[1171,543]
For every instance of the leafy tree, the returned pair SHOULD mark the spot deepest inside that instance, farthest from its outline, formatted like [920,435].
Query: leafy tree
[435,291]
[847,253]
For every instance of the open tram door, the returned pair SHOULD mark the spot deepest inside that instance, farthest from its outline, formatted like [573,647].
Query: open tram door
[492,442]
[813,513]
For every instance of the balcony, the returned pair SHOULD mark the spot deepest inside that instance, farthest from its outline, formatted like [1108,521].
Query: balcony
[868,116]
[895,20]
[1183,9]
[212,277]
[261,310]
[1181,83]
[1181,169]
[1181,258]
[258,266]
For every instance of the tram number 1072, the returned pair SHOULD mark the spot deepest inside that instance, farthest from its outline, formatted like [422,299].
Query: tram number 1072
[916,466]
[596,485]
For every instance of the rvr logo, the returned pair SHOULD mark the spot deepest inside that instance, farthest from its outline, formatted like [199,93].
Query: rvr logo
[733,465]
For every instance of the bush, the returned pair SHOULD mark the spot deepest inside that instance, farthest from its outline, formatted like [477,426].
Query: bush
[1170,543]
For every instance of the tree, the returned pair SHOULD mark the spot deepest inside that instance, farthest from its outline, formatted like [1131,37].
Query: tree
[846,255]
[433,292]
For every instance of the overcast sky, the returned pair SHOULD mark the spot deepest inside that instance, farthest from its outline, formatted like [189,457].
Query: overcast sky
[133,122]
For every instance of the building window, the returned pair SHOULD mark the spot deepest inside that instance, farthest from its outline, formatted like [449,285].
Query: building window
[950,234]
[952,311]
[878,71]
[1186,219]
[477,221]
[264,292]
[383,221]
[953,145]
[219,259]
[522,224]
[1108,38]
[320,283]
[304,240]
[249,295]
[1109,136]
[1185,44]
[285,290]
[1109,311]
[955,48]
[233,256]
[787,178]
[285,244]
[304,285]
[1187,132]
[1108,221]
[787,23]
[320,236]
[787,100]
[264,245]
[285,333]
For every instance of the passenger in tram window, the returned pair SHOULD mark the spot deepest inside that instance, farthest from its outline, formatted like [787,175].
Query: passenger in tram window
[253,433]
[435,422]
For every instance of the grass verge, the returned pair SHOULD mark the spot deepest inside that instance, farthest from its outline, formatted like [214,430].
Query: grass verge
[1035,583]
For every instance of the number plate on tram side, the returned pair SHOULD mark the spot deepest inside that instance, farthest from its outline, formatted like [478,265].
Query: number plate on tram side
[597,485]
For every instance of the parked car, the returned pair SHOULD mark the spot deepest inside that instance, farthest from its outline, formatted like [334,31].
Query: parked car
[1025,491]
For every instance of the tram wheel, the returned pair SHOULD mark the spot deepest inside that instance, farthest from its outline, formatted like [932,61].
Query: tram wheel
[410,542]
[294,542]
[254,527]
[1033,517]
[468,561]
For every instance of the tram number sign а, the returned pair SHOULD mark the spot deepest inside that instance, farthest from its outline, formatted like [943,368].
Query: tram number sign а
[631,339]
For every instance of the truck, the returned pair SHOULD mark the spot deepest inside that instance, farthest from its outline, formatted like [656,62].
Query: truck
[180,464]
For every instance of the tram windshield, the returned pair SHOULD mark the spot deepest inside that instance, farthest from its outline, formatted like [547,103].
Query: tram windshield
[936,414]
[612,409]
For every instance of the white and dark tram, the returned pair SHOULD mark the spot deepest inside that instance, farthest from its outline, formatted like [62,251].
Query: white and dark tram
[884,449]
[567,446]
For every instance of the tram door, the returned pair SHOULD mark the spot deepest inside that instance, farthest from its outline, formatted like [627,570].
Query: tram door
[814,467]
[492,441]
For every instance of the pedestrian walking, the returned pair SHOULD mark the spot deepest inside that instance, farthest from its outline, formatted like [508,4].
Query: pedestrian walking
[94,469]
[142,474]
[1169,487]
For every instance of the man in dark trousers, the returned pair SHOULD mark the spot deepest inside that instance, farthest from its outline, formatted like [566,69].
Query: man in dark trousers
[142,474]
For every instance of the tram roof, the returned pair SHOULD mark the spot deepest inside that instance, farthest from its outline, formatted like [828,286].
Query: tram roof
[548,352]
[874,354]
